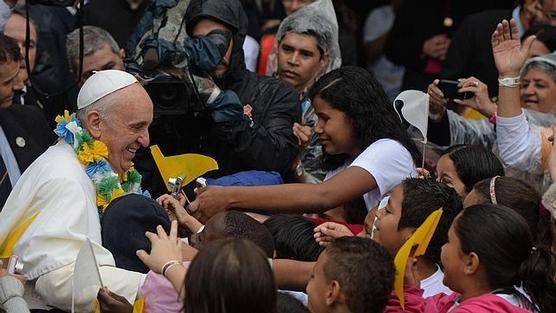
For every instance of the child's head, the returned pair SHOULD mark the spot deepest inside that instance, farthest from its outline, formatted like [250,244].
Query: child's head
[516,195]
[462,166]
[491,247]
[238,225]
[353,273]
[293,237]
[230,275]
[353,113]
[409,205]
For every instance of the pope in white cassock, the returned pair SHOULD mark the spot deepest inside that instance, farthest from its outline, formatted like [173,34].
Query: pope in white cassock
[62,185]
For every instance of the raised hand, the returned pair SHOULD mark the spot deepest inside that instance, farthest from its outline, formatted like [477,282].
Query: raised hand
[509,53]
[164,248]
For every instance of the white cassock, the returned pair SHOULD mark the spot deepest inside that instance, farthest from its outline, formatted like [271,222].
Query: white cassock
[57,187]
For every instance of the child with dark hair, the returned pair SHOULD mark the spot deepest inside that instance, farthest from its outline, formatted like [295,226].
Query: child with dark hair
[230,275]
[367,152]
[227,275]
[462,166]
[159,294]
[407,208]
[485,266]
[226,224]
[234,224]
[352,275]
[293,237]
[518,196]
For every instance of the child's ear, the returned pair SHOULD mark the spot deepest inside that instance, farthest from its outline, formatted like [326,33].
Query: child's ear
[472,263]
[334,293]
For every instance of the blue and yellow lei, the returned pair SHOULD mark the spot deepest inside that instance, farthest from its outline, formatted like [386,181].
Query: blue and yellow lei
[93,155]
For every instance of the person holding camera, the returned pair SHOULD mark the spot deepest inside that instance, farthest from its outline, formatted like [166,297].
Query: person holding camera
[258,137]
[263,139]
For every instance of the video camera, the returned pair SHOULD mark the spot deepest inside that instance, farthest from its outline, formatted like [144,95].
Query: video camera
[167,77]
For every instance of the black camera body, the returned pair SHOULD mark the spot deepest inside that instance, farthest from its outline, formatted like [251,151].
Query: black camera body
[173,95]
[165,73]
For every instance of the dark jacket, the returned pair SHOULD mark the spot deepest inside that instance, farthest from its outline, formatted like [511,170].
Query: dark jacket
[28,123]
[266,141]
[470,52]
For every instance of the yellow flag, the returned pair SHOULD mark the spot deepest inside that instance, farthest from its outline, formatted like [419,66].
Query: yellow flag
[139,305]
[420,239]
[7,247]
[187,166]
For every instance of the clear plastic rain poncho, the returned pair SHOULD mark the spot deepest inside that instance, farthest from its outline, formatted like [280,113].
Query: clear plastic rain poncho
[318,17]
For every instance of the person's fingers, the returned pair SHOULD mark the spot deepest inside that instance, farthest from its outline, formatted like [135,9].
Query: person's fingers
[161,232]
[142,255]
[303,138]
[506,32]
[513,29]
[436,91]
[152,236]
[200,190]
[494,40]
[174,230]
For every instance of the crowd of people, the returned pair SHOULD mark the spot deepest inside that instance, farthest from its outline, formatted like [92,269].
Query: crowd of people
[322,181]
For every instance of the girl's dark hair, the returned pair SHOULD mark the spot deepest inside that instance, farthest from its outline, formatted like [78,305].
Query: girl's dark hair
[230,275]
[421,198]
[504,244]
[293,237]
[356,92]
[474,163]
[522,198]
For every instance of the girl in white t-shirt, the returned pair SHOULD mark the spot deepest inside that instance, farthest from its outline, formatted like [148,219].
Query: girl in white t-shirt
[364,143]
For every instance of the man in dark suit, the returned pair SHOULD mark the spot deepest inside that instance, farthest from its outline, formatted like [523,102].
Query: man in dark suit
[24,132]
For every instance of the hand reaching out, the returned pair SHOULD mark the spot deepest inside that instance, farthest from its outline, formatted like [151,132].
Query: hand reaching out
[509,53]
[176,211]
[325,233]
[164,248]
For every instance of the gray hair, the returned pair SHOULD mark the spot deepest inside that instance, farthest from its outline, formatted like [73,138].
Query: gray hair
[103,106]
[545,63]
[94,39]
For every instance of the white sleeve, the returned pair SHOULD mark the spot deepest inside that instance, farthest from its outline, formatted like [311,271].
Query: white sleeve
[388,162]
[519,142]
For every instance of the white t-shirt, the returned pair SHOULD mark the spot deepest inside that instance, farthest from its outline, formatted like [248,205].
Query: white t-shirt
[388,162]
[434,285]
